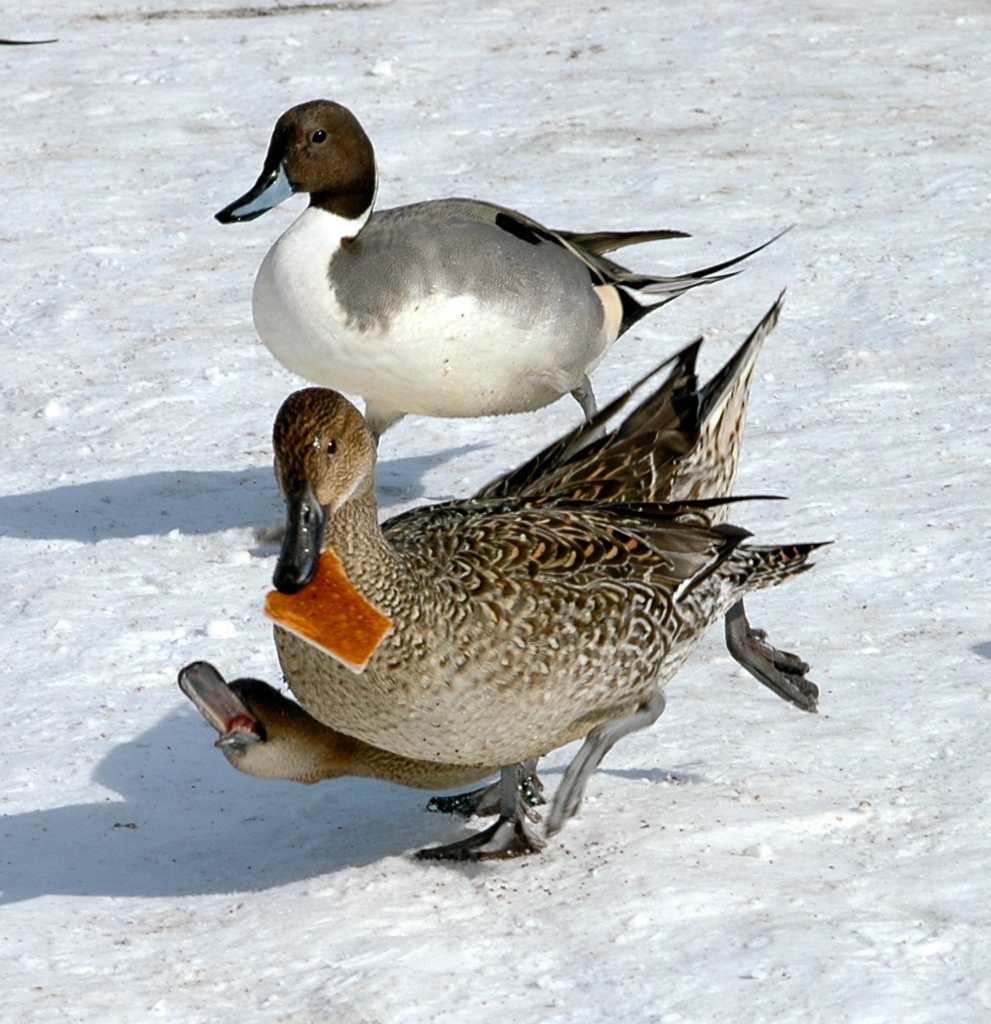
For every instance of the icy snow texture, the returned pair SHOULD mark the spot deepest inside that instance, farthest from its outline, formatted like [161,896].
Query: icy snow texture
[740,862]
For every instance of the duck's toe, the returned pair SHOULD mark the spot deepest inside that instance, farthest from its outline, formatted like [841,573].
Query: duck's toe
[477,803]
[780,671]
[508,837]
[511,835]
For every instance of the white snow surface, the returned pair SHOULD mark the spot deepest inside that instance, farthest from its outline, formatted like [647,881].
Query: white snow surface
[739,862]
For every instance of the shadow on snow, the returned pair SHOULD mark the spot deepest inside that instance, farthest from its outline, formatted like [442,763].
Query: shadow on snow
[189,824]
[191,502]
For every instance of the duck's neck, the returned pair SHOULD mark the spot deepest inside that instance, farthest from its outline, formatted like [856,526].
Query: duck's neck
[351,204]
[368,559]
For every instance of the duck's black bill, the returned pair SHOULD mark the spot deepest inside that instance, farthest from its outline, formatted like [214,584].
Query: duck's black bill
[272,188]
[300,552]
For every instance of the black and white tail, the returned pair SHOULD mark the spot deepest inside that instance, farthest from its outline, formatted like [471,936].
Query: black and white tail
[642,293]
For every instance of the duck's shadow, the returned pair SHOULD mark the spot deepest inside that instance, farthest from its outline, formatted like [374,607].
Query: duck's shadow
[191,502]
[190,824]
[178,820]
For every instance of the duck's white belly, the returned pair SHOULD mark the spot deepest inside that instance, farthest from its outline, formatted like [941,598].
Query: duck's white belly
[442,355]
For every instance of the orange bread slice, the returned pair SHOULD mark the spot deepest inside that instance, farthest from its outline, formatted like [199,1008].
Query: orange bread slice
[330,614]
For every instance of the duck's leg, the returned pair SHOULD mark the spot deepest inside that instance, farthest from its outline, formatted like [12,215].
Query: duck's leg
[585,397]
[379,420]
[598,743]
[510,836]
[485,801]
[780,671]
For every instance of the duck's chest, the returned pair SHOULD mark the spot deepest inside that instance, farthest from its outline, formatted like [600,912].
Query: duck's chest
[295,308]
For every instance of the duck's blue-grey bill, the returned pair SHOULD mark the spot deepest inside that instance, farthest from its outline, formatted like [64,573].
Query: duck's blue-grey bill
[272,188]
[206,688]
[220,706]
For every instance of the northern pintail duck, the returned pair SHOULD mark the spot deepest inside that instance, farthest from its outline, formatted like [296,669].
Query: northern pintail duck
[454,307]
[508,628]
[682,440]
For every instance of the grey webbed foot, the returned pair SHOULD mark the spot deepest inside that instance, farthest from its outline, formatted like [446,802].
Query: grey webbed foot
[780,671]
[485,801]
[505,839]
[510,836]
[597,744]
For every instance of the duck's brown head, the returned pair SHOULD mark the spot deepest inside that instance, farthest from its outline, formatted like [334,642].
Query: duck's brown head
[262,733]
[324,459]
[317,147]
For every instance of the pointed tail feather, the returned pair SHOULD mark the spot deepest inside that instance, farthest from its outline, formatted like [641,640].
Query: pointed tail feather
[682,442]
[727,392]
[711,465]
[599,242]
[760,567]
[642,293]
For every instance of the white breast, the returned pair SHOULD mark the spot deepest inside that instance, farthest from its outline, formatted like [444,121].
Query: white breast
[294,309]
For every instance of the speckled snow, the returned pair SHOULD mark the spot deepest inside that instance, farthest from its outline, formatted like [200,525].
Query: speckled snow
[741,862]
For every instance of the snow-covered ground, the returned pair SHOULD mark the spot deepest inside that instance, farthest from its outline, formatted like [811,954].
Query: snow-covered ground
[741,862]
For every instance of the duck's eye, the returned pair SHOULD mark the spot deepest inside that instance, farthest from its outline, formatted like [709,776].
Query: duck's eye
[331,447]
[319,135]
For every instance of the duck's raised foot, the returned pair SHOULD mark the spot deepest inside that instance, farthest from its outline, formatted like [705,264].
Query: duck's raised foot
[486,801]
[780,671]
[506,838]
